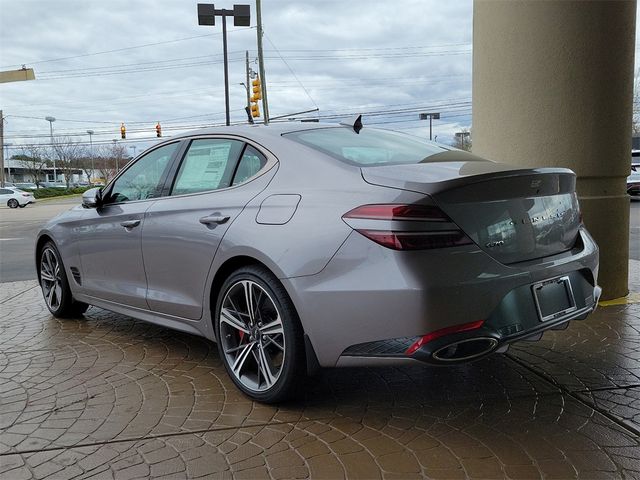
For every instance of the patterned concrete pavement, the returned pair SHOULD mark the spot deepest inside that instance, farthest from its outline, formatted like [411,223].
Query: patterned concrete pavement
[110,397]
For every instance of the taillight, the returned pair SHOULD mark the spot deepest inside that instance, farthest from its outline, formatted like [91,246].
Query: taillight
[26,194]
[429,337]
[419,213]
[404,237]
[417,240]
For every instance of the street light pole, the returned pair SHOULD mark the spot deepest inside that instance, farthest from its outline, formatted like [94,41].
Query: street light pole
[51,120]
[134,150]
[430,116]
[226,67]
[462,135]
[241,18]
[90,132]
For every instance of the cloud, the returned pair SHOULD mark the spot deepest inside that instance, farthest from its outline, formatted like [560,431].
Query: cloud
[342,57]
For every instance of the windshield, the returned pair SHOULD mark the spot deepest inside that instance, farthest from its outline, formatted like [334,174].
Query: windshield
[369,147]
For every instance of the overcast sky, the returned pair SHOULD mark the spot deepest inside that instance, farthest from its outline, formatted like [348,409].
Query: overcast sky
[99,63]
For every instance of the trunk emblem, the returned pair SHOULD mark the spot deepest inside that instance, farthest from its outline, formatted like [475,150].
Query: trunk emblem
[536,183]
[497,243]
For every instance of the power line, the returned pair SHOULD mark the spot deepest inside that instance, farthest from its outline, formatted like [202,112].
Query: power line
[124,48]
[176,63]
[133,70]
[376,48]
[292,73]
[82,69]
[453,107]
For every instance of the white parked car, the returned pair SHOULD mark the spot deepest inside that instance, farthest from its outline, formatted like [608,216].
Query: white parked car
[14,197]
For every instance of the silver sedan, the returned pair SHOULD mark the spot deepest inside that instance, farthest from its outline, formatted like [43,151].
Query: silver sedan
[300,246]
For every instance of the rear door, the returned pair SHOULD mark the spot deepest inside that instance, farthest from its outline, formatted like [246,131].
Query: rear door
[216,178]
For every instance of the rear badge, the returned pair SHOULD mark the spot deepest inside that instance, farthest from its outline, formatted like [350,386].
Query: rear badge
[494,244]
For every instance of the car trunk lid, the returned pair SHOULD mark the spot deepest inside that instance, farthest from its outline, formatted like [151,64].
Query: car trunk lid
[512,214]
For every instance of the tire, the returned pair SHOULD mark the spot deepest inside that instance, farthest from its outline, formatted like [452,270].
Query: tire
[22,206]
[12,203]
[263,353]
[55,286]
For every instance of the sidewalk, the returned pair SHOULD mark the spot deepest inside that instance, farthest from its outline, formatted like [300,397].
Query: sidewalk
[110,397]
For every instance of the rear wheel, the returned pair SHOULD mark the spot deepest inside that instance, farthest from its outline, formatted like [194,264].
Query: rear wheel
[55,286]
[22,206]
[12,203]
[259,335]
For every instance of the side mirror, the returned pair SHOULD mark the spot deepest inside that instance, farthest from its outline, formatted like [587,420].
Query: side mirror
[92,198]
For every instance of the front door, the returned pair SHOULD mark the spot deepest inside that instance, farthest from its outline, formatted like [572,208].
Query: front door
[111,235]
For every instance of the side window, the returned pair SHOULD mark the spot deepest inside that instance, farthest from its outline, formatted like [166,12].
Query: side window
[142,179]
[4,191]
[251,163]
[208,165]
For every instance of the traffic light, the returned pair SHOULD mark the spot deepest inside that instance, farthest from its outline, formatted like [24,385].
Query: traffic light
[158,130]
[257,88]
[257,95]
[123,131]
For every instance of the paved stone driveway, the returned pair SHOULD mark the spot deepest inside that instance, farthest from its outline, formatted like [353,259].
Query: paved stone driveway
[110,397]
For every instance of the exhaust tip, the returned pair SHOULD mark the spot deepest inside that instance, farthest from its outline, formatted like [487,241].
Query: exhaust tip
[466,349]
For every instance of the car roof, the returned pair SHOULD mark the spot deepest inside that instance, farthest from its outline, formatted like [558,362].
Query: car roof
[273,130]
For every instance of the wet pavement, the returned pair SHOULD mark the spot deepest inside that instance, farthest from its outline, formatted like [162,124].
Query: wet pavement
[111,397]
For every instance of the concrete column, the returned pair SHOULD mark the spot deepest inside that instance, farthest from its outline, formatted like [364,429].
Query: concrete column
[552,86]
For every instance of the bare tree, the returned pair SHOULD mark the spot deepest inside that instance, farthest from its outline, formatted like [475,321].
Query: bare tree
[33,159]
[87,164]
[110,160]
[68,154]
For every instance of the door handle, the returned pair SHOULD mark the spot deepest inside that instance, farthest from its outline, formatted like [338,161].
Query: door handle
[211,219]
[130,223]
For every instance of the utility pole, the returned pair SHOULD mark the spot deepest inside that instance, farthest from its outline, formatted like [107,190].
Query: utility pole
[8,157]
[1,149]
[93,170]
[246,86]
[263,78]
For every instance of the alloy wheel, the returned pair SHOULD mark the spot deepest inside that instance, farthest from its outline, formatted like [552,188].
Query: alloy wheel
[12,203]
[252,335]
[51,279]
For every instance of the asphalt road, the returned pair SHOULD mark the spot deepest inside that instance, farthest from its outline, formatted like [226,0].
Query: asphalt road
[18,229]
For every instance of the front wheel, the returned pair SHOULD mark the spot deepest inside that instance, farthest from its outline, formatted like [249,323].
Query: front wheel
[259,335]
[55,286]
[12,203]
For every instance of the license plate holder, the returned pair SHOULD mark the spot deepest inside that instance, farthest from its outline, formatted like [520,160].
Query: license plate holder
[554,298]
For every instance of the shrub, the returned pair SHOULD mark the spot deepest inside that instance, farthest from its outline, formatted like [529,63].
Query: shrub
[57,192]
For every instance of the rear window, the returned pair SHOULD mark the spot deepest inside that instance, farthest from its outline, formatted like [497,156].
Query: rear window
[369,147]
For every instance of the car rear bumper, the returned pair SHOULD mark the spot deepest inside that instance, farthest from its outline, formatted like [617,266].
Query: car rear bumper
[370,303]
